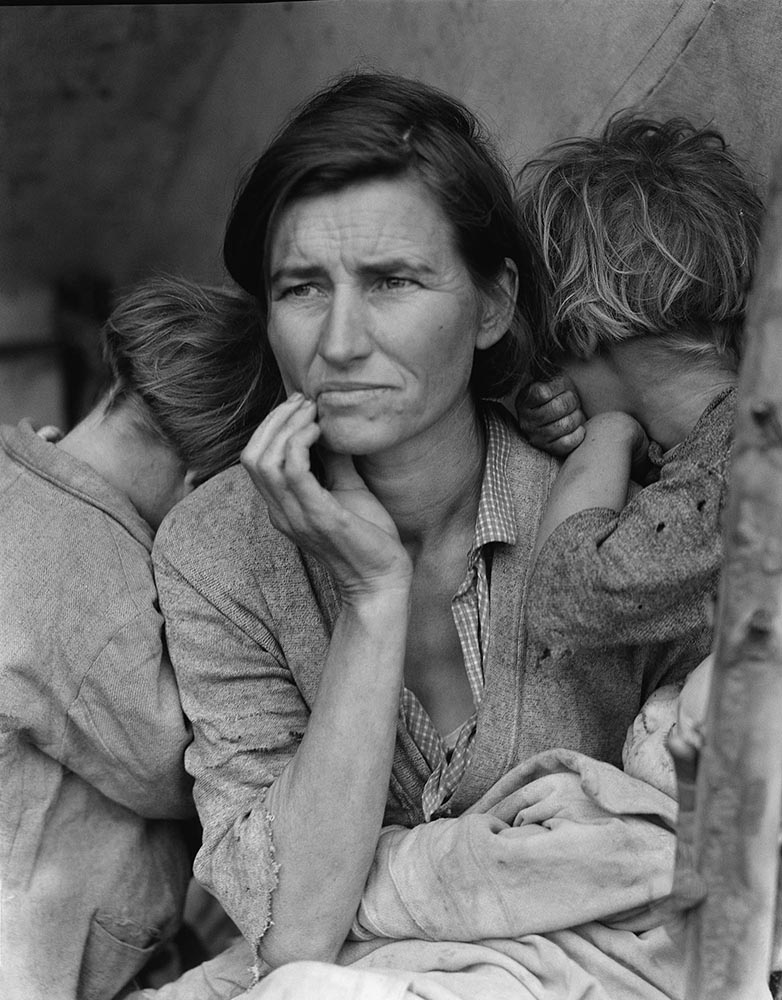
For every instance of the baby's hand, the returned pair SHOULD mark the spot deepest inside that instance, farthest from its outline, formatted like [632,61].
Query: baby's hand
[550,415]
[693,704]
[685,740]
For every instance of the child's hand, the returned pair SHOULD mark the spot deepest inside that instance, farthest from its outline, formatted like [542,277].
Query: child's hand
[550,415]
[625,430]
[685,740]
[693,704]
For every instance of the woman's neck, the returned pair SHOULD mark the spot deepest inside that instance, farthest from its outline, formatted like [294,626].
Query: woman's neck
[431,486]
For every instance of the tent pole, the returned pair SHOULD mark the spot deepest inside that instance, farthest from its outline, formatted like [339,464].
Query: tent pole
[739,783]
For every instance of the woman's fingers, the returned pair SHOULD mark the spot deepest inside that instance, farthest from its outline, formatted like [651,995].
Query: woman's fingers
[284,436]
[272,431]
[340,472]
[344,525]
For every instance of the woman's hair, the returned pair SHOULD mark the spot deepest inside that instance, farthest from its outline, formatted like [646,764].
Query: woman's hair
[192,363]
[371,125]
[652,228]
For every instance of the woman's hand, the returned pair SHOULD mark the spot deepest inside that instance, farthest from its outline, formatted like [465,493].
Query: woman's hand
[550,415]
[343,524]
[556,797]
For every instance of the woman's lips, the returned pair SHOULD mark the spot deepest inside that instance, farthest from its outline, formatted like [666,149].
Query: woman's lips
[334,394]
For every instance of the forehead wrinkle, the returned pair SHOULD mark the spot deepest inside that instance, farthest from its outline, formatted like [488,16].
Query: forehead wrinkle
[363,236]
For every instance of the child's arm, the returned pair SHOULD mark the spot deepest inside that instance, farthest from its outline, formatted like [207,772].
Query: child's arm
[645,573]
[597,473]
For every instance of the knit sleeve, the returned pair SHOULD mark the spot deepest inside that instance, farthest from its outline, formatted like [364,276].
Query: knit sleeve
[647,574]
[246,711]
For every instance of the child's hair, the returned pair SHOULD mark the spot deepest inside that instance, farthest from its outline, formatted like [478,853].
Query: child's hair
[192,362]
[652,228]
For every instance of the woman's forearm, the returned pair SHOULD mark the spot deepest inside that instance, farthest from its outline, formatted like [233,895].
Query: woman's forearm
[328,804]
[554,851]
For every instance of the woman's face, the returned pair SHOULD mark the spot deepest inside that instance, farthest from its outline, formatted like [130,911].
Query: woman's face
[373,314]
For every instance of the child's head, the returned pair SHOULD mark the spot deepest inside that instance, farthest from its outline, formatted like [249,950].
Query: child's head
[650,229]
[190,363]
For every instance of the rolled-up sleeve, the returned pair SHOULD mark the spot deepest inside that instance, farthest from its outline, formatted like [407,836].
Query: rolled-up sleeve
[484,875]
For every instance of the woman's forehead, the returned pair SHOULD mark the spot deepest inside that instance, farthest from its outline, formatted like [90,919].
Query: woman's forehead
[368,221]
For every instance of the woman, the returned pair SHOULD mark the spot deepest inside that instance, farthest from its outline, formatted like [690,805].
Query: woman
[96,809]
[346,622]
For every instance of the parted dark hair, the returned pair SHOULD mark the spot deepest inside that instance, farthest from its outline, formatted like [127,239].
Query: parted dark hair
[192,363]
[374,125]
[652,228]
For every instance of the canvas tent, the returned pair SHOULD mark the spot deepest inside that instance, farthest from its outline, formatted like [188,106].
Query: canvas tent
[126,127]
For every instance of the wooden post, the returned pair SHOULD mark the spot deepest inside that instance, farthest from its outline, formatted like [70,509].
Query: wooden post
[739,785]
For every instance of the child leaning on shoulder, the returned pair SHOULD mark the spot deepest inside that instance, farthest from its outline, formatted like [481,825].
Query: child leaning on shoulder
[644,242]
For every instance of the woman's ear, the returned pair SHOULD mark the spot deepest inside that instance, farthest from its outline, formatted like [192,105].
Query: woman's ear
[498,307]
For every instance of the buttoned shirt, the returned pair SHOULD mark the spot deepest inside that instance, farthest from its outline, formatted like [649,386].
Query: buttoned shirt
[449,754]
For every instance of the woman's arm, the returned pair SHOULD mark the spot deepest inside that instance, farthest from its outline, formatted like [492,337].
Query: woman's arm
[328,804]
[292,802]
[586,842]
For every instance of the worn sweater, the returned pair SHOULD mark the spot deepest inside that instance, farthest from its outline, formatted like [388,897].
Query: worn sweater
[651,571]
[249,619]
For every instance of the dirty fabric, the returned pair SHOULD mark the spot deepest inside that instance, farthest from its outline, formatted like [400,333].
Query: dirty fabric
[551,888]
[94,862]
[650,571]
[249,620]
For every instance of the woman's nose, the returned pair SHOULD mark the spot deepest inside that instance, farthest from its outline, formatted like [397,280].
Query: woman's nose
[345,333]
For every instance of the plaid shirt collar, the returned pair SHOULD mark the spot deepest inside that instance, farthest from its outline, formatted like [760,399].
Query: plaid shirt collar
[496,520]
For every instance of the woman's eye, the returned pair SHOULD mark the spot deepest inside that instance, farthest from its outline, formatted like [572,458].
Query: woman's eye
[299,291]
[394,282]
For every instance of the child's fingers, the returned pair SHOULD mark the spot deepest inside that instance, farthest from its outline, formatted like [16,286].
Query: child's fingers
[559,437]
[539,393]
[562,426]
[562,446]
[545,422]
[561,406]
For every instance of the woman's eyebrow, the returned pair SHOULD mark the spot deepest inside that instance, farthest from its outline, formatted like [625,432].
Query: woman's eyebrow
[389,265]
[297,272]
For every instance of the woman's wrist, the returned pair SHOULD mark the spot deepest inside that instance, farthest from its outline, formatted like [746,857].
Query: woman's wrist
[379,598]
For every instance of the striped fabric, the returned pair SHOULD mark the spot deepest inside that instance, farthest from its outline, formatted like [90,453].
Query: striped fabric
[449,755]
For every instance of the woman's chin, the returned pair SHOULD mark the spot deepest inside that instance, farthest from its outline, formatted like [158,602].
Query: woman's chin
[352,437]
